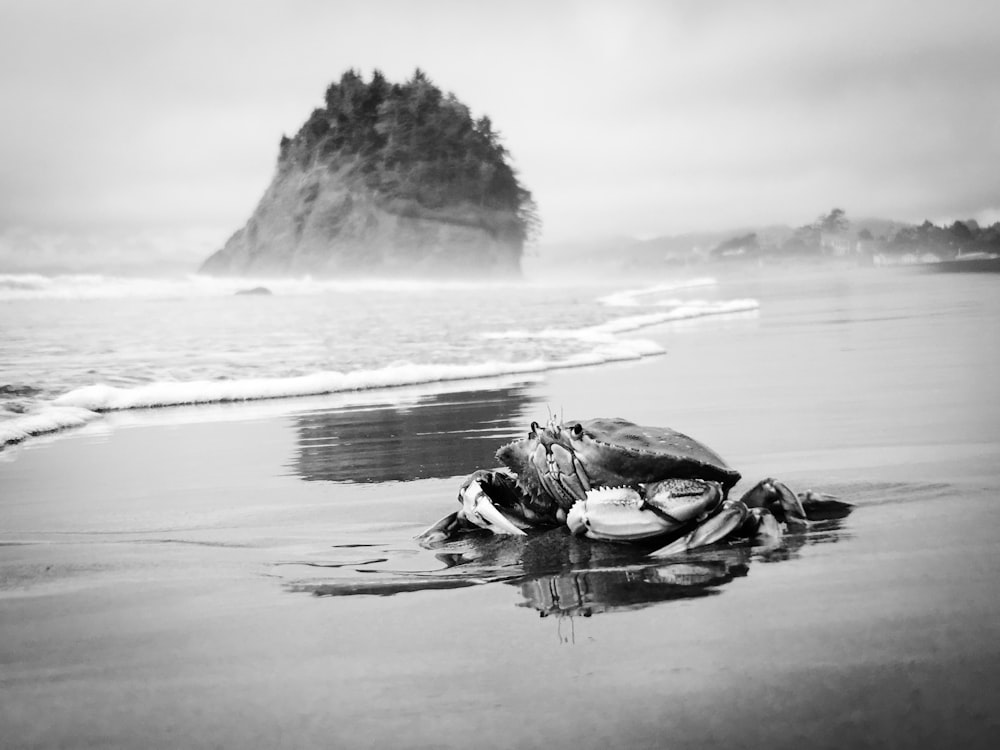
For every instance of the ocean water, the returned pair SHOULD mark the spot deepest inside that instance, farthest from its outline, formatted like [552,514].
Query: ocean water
[75,347]
[252,567]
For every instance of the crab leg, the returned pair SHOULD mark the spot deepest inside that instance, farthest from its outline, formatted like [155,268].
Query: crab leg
[569,472]
[716,528]
[442,530]
[777,498]
[560,474]
[820,506]
[767,530]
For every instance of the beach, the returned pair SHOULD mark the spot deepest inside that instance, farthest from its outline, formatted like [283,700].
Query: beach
[245,575]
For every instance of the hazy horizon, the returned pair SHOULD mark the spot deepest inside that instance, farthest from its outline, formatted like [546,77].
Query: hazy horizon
[142,136]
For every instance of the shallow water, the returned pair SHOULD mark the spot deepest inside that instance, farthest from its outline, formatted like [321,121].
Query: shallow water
[246,574]
[834,376]
[73,346]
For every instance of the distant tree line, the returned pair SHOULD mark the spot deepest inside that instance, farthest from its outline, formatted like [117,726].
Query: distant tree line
[815,237]
[831,233]
[411,141]
[947,241]
[741,245]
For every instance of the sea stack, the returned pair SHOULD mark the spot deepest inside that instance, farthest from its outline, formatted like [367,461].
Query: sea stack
[386,180]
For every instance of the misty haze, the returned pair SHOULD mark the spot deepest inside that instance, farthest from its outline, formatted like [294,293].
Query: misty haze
[573,374]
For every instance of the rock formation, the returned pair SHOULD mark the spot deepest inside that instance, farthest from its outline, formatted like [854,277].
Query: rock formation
[386,180]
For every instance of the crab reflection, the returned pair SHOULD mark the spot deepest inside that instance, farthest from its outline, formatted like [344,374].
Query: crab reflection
[601,588]
[589,592]
[559,574]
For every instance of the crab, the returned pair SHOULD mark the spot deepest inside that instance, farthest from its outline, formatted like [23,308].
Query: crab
[612,480]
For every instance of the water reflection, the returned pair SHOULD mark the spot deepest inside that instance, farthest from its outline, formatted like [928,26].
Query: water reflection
[554,572]
[589,592]
[429,439]
[557,573]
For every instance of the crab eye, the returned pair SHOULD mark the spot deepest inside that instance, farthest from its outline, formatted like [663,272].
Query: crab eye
[577,430]
[534,430]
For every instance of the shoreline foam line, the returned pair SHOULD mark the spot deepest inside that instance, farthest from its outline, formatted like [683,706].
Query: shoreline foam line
[630,297]
[606,331]
[48,420]
[82,405]
[105,398]
[689,311]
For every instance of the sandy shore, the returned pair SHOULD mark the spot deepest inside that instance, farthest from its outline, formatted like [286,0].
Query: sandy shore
[159,572]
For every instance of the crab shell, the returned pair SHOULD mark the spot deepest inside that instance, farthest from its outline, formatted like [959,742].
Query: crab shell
[557,464]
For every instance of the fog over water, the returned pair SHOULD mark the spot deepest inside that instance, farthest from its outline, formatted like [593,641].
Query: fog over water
[212,490]
[141,136]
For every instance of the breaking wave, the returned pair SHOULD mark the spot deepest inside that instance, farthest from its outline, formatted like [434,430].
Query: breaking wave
[49,419]
[100,398]
[633,297]
[529,351]
[82,405]
[606,331]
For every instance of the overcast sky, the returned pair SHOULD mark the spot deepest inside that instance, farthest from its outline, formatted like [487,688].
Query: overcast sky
[162,119]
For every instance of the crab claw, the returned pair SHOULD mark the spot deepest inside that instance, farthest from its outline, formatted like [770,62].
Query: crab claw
[624,514]
[478,509]
[714,529]
[616,514]
[776,497]
[683,500]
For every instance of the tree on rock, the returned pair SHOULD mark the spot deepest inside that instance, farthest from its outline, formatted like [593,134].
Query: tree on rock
[413,142]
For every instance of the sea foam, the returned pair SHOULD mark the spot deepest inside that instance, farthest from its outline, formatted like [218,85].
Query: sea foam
[633,297]
[689,310]
[686,311]
[101,398]
[585,346]
[46,420]
[604,346]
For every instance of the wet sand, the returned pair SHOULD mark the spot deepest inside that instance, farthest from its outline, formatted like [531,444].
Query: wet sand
[245,576]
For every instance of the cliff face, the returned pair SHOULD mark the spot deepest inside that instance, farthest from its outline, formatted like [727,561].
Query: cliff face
[326,223]
[386,180]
